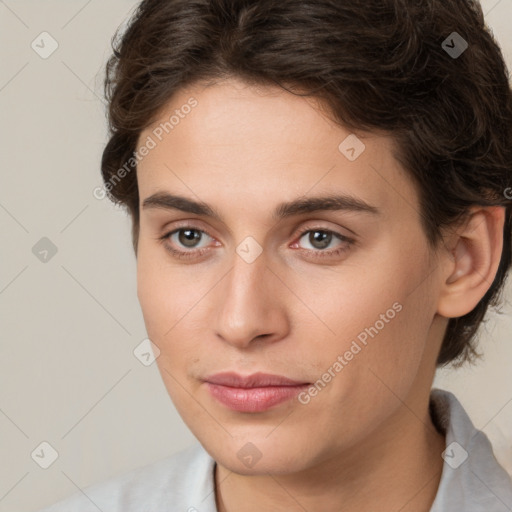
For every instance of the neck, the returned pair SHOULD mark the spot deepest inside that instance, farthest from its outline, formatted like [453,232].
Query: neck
[398,468]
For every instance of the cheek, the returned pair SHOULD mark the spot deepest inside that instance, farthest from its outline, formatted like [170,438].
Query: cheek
[172,300]
[152,296]
[379,322]
[169,305]
[373,362]
[166,293]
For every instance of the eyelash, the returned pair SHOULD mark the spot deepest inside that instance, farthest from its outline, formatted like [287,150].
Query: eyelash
[196,253]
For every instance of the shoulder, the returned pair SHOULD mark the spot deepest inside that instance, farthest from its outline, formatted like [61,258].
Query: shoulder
[183,481]
[472,479]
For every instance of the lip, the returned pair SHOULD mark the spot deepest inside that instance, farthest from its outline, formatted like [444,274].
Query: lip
[257,392]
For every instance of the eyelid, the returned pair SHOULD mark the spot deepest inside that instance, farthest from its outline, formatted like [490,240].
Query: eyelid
[183,224]
[316,227]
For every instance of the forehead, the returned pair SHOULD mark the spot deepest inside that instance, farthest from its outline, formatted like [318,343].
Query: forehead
[266,144]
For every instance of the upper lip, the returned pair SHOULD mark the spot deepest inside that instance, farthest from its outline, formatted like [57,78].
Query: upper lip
[255,380]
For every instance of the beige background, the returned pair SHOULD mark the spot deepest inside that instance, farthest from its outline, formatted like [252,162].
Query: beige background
[68,375]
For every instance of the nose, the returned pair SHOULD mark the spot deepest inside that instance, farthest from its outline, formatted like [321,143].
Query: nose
[251,305]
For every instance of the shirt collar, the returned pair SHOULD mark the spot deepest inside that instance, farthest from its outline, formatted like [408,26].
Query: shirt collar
[472,480]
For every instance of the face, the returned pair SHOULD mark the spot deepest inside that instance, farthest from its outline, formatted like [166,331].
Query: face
[289,327]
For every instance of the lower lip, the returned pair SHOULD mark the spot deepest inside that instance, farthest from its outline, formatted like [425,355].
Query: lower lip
[254,399]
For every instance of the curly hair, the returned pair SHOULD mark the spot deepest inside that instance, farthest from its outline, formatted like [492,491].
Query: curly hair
[382,65]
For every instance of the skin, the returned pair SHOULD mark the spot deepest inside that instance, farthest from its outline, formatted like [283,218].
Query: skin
[366,441]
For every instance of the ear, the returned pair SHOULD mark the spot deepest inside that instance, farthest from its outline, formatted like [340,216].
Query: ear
[470,261]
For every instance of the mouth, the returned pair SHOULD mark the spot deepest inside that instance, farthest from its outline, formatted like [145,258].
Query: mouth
[253,393]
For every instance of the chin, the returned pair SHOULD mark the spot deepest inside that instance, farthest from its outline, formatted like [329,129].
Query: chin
[259,456]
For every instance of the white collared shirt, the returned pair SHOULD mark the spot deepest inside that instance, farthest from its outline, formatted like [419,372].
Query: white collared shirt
[472,479]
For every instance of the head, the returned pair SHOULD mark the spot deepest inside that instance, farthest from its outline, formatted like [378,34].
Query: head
[308,180]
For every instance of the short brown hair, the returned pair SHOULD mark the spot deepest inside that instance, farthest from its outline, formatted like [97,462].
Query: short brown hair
[378,65]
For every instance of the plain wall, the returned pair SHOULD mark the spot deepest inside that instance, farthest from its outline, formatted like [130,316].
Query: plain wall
[68,375]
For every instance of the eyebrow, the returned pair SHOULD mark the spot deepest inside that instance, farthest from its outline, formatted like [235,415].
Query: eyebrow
[296,207]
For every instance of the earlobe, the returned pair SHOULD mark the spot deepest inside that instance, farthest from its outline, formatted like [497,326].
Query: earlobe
[473,262]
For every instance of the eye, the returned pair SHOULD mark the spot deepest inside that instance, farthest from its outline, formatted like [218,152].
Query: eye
[189,238]
[320,242]
[186,242]
[319,239]
[190,242]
